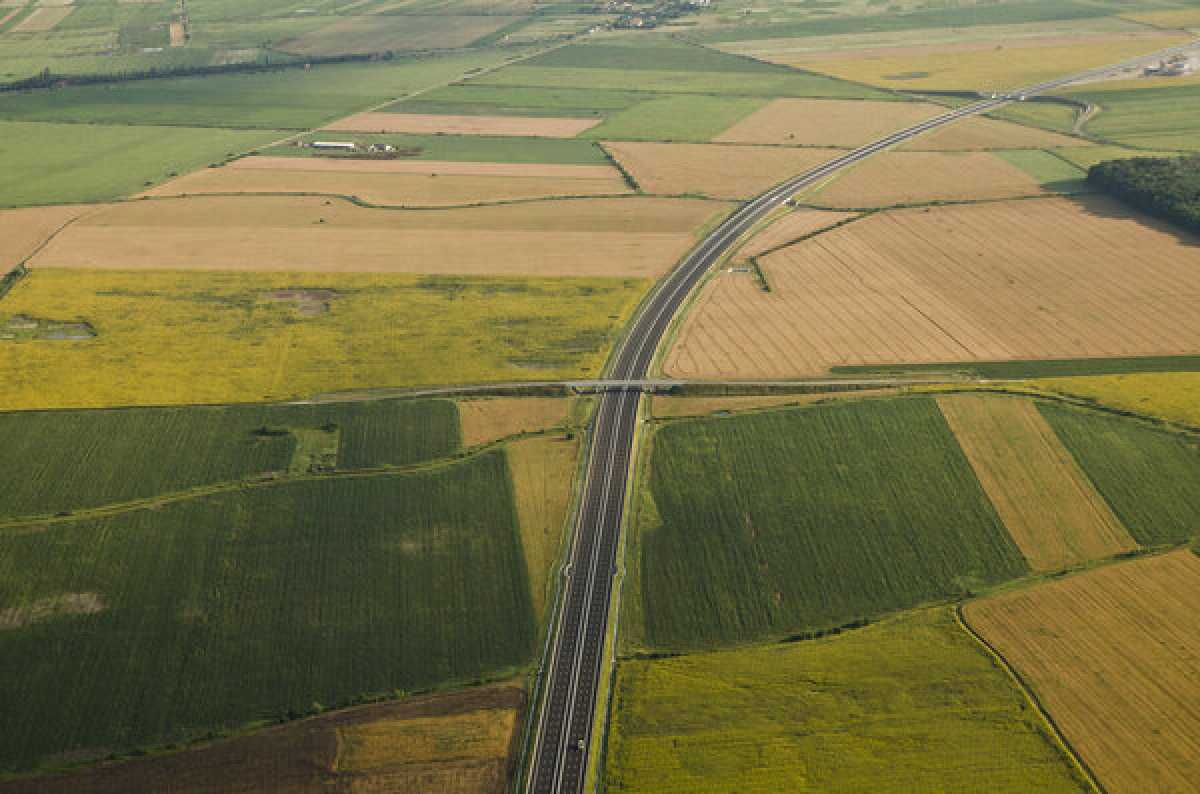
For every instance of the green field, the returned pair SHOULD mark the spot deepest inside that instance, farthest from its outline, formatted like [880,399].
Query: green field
[1046,115]
[1150,477]
[1053,172]
[794,521]
[66,460]
[683,117]
[472,99]
[912,704]
[157,626]
[785,82]
[1146,118]
[66,163]
[280,99]
[468,148]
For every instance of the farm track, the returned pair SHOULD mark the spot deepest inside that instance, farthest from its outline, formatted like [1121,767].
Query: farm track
[571,674]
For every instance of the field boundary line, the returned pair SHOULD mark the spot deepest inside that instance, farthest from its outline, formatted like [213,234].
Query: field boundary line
[263,480]
[1031,697]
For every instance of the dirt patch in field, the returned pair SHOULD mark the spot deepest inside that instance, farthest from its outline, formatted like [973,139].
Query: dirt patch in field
[720,171]
[1112,655]
[410,746]
[306,302]
[520,126]
[399,183]
[790,228]
[493,418]
[23,326]
[178,34]
[895,178]
[586,237]
[1046,502]
[50,608]
[43,19]
[23,230]
[826,122]
[1000,281]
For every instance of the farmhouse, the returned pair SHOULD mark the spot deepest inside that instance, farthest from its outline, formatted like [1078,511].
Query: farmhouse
[345,146]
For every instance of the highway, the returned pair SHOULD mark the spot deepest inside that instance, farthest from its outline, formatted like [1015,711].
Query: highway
[572,669]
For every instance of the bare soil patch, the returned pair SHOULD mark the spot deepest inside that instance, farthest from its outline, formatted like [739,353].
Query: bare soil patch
[720,171]
[898,177]
[1000,281]
[404,746]
[1112,655]
[1046,502]
[521,126]
[50,608]
[827,122]
[494,418]
[588,237]
[23,230]
[307,302]
[399,183]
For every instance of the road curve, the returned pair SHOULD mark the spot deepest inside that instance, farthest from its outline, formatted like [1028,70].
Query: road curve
[572,670]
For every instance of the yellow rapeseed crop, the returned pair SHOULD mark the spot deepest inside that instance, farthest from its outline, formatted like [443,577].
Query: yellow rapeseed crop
[208,337]
[911,704]
[1001,67]
[1169,395]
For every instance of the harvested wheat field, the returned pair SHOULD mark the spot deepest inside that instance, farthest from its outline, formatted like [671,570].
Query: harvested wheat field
[521,126]
[1048,505]
[720,171]
[898,177]
[494,418]
[826,122]
[635,236]
[543,473]
[978,133]
[23,230]
[1020,280]
[399,183]
[459,741]
[789,228]
[1114,656]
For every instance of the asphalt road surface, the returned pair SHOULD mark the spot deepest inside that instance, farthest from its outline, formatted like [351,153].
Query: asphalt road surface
[573,667]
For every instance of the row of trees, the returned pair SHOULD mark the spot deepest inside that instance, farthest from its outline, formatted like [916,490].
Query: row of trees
[1165,187]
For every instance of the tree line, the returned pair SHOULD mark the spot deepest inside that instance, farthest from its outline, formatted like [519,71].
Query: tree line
[1167,188]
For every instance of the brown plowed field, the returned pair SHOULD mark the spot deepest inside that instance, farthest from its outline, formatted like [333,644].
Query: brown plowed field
[408,746]
[790,228]
[399,183]
[895,178]
[523,126]
[1114,656]
[23,230]
[720,171]
[826,122]
[586,237]
[1046,502]
[1051,278]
